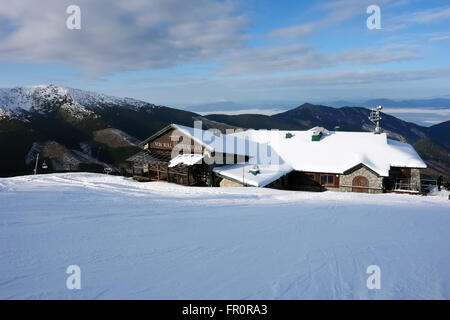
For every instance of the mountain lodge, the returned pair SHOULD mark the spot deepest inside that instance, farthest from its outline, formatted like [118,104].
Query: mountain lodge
[315,160]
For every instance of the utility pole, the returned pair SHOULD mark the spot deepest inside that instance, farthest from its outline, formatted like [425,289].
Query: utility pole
[35,166]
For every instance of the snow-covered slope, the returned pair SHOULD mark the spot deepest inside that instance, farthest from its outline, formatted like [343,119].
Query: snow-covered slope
[4,114]
[15,98]
[93,99]
[158,240]
[41,99]
[33,98]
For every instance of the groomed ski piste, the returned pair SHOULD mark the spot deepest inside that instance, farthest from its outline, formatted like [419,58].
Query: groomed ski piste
[163,241]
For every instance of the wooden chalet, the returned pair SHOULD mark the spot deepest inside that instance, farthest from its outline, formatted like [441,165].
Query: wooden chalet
[315,160]
[174,154]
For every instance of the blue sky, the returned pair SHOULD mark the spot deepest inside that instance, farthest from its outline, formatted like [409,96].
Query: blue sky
[181,52]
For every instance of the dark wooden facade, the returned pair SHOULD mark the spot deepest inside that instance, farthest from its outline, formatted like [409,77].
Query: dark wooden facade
[152,163]
[312,181]
[174,139]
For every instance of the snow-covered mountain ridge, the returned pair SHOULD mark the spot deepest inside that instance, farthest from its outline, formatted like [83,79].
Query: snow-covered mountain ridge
[19,101]
[89,98]
[41,98]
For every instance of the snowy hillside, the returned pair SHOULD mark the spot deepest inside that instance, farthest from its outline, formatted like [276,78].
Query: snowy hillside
[158,240]
[93,99]
[26,98]
[41,99]
[19,97]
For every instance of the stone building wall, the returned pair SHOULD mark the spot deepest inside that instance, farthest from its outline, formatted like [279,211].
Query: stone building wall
[375,182]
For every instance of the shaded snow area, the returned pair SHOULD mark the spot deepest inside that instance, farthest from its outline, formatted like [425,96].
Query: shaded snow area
[163,241]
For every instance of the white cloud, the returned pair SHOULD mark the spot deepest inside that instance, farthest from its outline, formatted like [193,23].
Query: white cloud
[294,32]
[372,55]
[440,38]
[394,27]
[120,35]
[304,57]
[267,112]
[332,12]
[267,60]
[439,112]
[346,78]
[428,16]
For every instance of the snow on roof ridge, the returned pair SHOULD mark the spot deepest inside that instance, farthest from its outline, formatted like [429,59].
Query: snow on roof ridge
[241,172]
[211,145]
[187,159]
[337,152]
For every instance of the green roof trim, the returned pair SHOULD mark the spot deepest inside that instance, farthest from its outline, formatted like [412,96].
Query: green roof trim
[316,137]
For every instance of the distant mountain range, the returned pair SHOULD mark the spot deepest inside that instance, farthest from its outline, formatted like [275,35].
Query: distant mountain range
[436,103]
[74,130]
[424,112]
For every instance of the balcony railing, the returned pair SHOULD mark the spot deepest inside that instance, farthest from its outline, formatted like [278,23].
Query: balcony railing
[406,184]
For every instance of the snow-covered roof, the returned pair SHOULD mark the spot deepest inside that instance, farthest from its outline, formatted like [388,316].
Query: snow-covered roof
[187,159]
[212,140]
[337,151]
[242,172]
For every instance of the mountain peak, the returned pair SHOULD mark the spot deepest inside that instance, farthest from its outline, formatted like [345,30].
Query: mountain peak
[32,97]
[308,105]
[94,99]
[49,97]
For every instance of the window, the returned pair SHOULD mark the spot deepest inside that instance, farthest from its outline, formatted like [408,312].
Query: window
[327,180]
[330,179]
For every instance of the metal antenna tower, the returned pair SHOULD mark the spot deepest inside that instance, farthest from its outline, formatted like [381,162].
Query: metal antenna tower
[375,118]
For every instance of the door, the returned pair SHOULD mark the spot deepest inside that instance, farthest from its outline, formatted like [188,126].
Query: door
[360,184]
